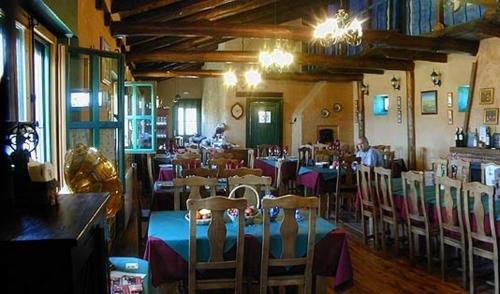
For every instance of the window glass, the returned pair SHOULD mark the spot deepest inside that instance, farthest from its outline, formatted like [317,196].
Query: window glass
[191,121]
[140,133]
[2,50]
[180,121]
[42,98]
[21,74]
[187,117]
[380,105]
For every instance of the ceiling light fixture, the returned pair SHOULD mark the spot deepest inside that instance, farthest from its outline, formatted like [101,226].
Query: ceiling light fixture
[252,77]
[436,78]
[339,29]
[230,79]
[278,59]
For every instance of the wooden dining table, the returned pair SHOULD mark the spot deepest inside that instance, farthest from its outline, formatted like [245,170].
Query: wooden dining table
[167,248]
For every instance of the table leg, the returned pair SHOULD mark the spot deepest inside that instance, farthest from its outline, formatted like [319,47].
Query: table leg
[323,199]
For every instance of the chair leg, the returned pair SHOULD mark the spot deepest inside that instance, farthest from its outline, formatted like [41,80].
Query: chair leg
[337,208]
[497,281]
[410,245]
[396,238]
[363,225]
[443,259]
[384,247]
[464,266]
[375,231]
[428,249]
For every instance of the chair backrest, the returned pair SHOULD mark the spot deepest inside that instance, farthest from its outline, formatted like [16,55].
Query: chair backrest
[181,165]
[251,180]
[268,150]
[216,238]
[305,154]
[474,193]
[189,155]
[365,188]
[322,155]
[459,169]
[388,158]
[224,163]
[488,173]
[447,190]
[240,172]
[202,172]
[288,232]
[383,188]
[413,195]
[440,167]
[251,158]
[286,170]
[195,184]
[347,176]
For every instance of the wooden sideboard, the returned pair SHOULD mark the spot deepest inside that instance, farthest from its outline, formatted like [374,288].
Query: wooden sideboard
[476,154]
[58,249]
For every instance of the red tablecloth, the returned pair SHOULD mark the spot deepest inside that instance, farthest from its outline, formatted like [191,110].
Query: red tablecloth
[267,169]
[166,174]
[314,181]
[331,258]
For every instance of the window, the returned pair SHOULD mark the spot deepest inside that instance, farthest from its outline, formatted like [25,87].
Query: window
[264,117]
[2,50]
[22,67]
[42,96]
[140,112]
[187,117]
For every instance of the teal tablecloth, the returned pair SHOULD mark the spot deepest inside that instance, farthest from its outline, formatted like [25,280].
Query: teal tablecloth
[430,196]
[325,173]
[172,228]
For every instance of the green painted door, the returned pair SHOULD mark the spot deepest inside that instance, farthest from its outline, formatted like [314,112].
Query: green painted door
[264,122]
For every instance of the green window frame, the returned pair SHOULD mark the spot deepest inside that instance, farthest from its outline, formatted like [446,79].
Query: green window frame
[140,123]
[42,93]
[182,113]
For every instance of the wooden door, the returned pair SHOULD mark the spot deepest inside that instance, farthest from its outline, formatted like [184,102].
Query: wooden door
[264,122]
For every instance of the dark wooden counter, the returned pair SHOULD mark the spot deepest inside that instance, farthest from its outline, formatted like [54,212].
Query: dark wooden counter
[58,249]
[476,154]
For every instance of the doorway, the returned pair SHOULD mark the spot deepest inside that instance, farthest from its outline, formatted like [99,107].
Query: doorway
[264,122]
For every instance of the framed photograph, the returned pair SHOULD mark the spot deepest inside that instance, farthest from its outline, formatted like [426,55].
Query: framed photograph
[491,116]
[105,64]
[449,97]
[398,101]
[450,116]
[399,117]
[486,95]
[428,102]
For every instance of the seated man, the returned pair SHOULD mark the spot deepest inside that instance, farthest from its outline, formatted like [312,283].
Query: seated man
[369,156]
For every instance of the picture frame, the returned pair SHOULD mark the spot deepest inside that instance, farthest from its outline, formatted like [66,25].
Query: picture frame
[449,99]
[105,63]
[450,116]
[462,97]
[486,96]
[491,116]
[237,111]
[428,102]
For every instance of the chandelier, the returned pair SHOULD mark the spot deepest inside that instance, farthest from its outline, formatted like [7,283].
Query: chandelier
[278,59]
[252,78]
[339,29]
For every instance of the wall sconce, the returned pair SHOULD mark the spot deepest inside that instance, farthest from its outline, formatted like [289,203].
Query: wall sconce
[396,83]
[176,98]
[364,89]
[436,78]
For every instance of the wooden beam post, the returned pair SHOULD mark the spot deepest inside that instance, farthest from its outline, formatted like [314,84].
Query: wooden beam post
[361,110]
[410,108]
[439,16]
[472,86]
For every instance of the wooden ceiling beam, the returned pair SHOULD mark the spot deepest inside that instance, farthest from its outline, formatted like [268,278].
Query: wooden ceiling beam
[305,77]
[145,7]
[407,54]
[252,57]
[390,39]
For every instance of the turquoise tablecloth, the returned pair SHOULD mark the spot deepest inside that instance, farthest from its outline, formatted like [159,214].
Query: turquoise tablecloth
[325,173]
[172,228]
[430,196]
[274,162]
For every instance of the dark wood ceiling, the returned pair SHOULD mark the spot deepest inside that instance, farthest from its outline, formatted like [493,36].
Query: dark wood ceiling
[161,35]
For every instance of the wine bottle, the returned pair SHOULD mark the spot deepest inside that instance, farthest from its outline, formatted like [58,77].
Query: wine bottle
[460,138]
[457,142]
[475,141]
[487,139]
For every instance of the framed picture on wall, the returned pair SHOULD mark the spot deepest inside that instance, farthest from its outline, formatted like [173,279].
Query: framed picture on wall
[462,98]
[491,116]
[450,116]
[486,95]
[449,97]
[428,102]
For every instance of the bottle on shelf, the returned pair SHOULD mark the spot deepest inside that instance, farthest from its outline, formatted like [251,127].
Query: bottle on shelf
[487,139]
[461,137]
[475,139]
[457,142]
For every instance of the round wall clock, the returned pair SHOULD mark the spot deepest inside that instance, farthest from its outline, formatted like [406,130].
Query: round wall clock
[237,111]
[337,107]
[325,113]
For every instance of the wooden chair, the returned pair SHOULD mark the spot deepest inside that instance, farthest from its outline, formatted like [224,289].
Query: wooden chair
[388,158]
[480,243]
[323,155]
[451,233]
[195,184]
[417,219]
[440,167]
[253,181]
[268,150]
[288,233]
[459,169]
[224,163]
[368,204]
[141,214]
[216,238]
[202,172]
[181,165]
[346,186]
[488,173]
[305,155]
[286,173]
[240,172]
[388,213]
